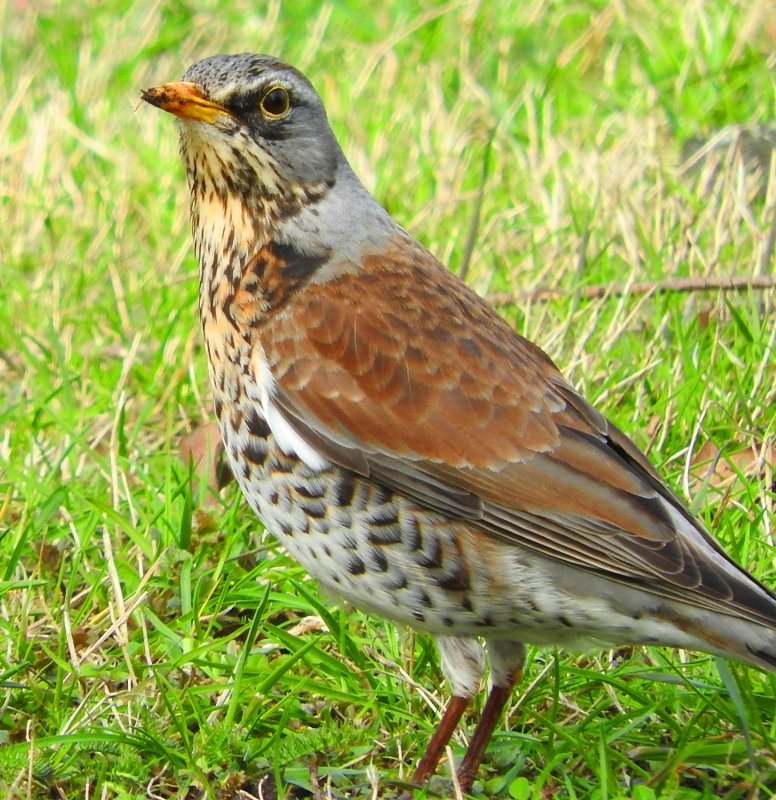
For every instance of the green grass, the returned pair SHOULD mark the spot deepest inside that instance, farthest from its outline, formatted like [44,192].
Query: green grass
[149,640]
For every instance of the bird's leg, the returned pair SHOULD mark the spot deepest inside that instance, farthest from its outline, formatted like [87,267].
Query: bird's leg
[490,713]
[438,742]
[462,662]
[506,662]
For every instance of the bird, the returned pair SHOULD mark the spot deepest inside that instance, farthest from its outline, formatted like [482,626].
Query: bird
[419,457]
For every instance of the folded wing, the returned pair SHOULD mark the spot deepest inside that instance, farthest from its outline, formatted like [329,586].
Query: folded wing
[429,391]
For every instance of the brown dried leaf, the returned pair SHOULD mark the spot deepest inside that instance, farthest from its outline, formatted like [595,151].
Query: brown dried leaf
[309,624]
[722,469]
[653,426]
[203,447]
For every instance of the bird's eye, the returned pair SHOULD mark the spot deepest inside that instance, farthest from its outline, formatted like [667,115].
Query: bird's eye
[275,102]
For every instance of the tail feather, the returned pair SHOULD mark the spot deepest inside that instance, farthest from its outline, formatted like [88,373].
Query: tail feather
[745,641]
[763,658]
[731,635]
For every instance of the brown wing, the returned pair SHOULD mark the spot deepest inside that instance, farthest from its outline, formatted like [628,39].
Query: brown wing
[400,371]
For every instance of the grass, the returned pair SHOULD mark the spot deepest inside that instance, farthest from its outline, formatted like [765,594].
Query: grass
[152,645]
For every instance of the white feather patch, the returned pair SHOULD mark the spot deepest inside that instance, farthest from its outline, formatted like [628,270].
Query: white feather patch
[463,662]
[288,440]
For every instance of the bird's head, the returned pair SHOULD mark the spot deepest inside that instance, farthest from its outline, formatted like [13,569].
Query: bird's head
[274,203]
[251,127]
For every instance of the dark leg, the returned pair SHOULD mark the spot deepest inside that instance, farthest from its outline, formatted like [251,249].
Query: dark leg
[506,668]
[494,705]
[442,735]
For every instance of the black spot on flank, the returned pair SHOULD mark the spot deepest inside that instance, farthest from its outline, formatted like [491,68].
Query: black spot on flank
[564,620]
[419,616]
[273,498]
[356,565]
[397,582]
[219,407]
[256,424]
[466,603]
[314,508]
[447,622]
[384,535]
[485,622]
[280,463]
[327,551]
[306,491]
[425,600]
[379,494]
[378,559]
[457,581]
[433,558]
[256,455]
[413,534]
[383,516]
[286,529]
[346,487]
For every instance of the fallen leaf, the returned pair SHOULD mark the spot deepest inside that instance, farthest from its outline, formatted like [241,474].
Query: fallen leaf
[309,624]
[205,450]
[722,469]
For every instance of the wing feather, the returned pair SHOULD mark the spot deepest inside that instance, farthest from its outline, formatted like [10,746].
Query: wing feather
[402,373]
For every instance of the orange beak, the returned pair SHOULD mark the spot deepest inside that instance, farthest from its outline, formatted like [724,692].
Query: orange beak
[185,100]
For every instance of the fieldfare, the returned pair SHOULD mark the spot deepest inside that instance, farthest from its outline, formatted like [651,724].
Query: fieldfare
[413,452]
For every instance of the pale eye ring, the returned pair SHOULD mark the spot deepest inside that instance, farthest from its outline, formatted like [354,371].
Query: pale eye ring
[275,102]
